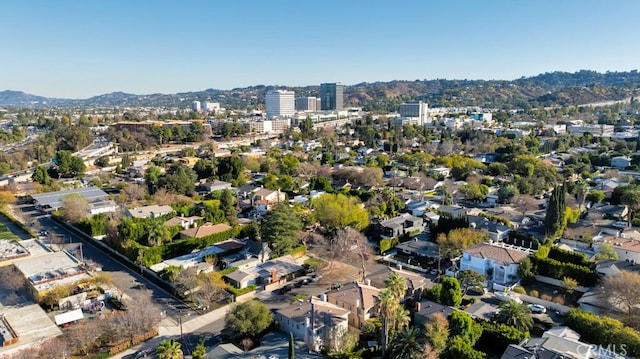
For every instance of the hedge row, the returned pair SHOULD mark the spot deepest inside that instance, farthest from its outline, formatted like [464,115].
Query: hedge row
[186,246]
[558,270]
[496,337]
[238,292]
[387,244]
[565,256]
[604,331]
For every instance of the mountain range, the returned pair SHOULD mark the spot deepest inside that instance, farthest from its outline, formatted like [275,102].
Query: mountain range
[548,89]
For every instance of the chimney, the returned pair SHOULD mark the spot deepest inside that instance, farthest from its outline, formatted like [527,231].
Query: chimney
[274,276]
[368,281]
[323,297]
[418,306]
[357,304]
[399,266]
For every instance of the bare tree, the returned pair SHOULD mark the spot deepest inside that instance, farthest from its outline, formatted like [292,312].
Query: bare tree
[187,281]
[135,192]
[623,290]
[350,245]
[142,316]
[523,203]
[211,289]
[75,207]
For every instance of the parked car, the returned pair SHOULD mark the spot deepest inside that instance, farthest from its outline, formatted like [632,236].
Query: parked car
[620,224]
[537,308]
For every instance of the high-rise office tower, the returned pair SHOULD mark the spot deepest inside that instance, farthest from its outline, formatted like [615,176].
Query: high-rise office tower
[307,104]
[331,96]
[280,103]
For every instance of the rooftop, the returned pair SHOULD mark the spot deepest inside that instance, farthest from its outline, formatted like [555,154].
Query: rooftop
[54,199]
[206,229]
[499,252]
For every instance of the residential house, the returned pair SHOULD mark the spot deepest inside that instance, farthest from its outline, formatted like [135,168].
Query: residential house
[272,271]
[152,211]
[626,244]
[360,299]
[415,282]
[258,250]
[402,224]
[419,246]
[558,342]
[610,211]
[182,221]
[426,309]
[207,229]
[273,345]
[453,211]
[313,321]
[103,206]
[621,162]
[496,261]
[264,199]
[443,172]
[498,232]
[209,187]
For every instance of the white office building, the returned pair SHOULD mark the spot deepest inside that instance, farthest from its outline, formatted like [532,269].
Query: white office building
[195,106]
[211,107]
[414,113]
[280,103]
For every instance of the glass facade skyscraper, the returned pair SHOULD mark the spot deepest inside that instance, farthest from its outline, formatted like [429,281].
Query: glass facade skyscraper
[332,96]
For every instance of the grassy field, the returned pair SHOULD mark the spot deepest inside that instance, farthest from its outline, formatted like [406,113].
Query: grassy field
[5,233]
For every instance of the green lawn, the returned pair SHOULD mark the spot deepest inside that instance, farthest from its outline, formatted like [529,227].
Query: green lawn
[5,233]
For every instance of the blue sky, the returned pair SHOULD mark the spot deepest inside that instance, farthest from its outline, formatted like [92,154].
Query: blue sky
[82,48]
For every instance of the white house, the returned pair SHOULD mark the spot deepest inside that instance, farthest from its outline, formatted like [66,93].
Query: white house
[104,206]
[496,261]
[621,162]
[314,321]
[153,211]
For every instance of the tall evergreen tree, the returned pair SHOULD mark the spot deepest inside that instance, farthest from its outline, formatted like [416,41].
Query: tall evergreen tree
[554,220]
[292,349]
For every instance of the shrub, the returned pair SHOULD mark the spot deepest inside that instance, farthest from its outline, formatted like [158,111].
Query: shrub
[546,297]
[534,293]
[496,337]
[238,292]
[566,256]
[387,244]
[519,289]
[558,299]
[604,331]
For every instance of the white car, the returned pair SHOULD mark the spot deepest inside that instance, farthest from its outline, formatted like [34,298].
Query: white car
[537,308]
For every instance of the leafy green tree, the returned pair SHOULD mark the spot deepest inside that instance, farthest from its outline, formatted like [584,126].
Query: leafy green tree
[152,177]
[451,294]
[336,211]
[470,279]
[459,348]
[515,314]
[506,193]
[554,220]
[68,165]
[462,325]
[248,319]
[457,240]
[595,196]
[606,251]
[289,164]
[230,169]
[631,198]
[526,271]
[179,180]
[228,202]
[280,228]
[321,184]
[41,176]
[169,349]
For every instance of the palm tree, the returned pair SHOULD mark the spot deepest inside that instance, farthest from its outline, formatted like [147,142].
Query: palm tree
[158,234]
[515,314]
[631,197]
[388,307]
[397,285]
[169,349]
[406,345]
